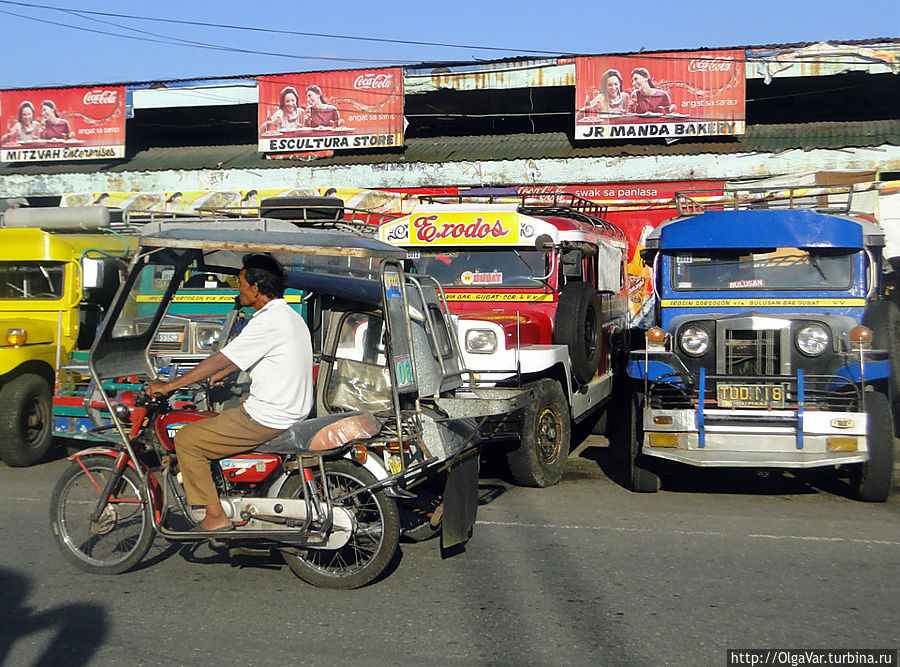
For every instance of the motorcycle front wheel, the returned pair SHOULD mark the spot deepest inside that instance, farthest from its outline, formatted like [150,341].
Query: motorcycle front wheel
[376,531]
[120,538]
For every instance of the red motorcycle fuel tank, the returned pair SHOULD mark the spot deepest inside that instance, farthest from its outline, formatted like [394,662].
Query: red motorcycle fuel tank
[169,424]
[250,467]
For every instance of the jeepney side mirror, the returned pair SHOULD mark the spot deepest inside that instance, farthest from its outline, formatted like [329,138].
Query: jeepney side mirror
[543,243]
[92,272]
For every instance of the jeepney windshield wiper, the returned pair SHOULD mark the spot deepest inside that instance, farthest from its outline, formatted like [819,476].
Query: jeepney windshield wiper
[815,263]
[530,270]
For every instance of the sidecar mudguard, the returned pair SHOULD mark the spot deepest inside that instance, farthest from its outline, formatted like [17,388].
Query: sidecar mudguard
[460,504]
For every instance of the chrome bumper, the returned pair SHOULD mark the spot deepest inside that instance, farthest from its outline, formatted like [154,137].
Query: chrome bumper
[755,438]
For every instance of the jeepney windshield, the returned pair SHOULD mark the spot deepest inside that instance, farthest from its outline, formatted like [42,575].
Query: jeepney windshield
[766,269]
[476,268]
[31,280]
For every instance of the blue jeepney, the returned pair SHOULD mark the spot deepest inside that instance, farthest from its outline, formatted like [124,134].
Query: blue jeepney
[761,352]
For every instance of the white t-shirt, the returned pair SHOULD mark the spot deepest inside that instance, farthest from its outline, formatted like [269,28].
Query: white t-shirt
[275,348]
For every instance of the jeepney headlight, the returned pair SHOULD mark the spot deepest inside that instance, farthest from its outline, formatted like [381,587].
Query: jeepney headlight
[812,339]
[694,341]
[481,341]
[16,337]
[207,337]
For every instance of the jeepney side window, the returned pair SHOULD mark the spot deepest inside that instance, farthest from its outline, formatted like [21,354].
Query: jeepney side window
[31,280]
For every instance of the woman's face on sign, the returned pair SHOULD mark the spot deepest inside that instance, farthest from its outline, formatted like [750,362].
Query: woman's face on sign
[290,102]
[640,82]
[26,115]
[613,87]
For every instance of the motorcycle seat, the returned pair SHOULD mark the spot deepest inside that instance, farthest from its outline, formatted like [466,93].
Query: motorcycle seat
[323,434]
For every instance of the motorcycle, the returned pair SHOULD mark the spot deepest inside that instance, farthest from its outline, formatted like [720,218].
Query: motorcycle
[325,514]
[394,448]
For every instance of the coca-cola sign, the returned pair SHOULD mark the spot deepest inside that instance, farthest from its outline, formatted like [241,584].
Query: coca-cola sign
[348,109]
[710,65]
[660,95]
[62,124]
[100,96]
[373,81]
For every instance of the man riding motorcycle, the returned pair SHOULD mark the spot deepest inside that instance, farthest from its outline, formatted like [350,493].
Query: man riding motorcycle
[275,348]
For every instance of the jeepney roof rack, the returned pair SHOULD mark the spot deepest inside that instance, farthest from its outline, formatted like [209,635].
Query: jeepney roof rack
[357,221]
[833,199]
[560,204]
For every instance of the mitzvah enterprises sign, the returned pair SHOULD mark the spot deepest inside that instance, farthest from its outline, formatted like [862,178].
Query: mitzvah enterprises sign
[669,95]
[62,124]
[316,111]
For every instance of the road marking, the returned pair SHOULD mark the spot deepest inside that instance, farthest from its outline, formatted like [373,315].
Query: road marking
[712,533]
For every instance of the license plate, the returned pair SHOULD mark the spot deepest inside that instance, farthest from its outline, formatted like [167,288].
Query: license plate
[168,337]
[750,395]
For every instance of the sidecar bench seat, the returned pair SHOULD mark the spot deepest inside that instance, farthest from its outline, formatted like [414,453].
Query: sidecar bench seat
[323,433]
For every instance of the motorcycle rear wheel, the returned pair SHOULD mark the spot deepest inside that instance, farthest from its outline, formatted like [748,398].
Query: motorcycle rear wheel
[124,533]
[376,531]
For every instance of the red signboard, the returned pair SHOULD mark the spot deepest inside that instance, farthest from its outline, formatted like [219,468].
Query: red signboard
[62,124]
[317,111]
[668,95]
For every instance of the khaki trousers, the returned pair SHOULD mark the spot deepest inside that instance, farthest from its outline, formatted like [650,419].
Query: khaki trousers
[199,443]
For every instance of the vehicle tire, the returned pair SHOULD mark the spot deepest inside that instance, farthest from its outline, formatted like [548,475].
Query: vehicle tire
[124,533]
[546,436]
[871,480]
[26,420]
[638,477]
[374,541]
[578,327]
[884,320]
[420,517]
[302,208]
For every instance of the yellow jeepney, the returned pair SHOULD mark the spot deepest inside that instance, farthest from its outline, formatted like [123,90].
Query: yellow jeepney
[59,270]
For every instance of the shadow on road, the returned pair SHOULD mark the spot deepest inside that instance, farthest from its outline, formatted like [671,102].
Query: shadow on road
[677,478]
[78,629]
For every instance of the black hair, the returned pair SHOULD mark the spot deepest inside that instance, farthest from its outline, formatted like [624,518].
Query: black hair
[264,271]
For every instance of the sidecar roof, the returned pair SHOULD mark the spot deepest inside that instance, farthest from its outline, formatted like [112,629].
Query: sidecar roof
[261,236]
[349,288]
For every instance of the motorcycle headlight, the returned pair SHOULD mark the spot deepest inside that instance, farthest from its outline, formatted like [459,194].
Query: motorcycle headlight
[207,337]
[123,412]
[481,341]
[694,341]
[812,339]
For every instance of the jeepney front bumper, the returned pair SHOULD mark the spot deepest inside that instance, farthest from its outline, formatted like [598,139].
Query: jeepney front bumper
[754,438]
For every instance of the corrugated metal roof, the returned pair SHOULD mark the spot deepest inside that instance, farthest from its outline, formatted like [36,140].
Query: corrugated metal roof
[555,145]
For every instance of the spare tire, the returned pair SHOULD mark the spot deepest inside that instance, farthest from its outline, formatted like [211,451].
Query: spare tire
[578,327]
[300,209]
[883,318]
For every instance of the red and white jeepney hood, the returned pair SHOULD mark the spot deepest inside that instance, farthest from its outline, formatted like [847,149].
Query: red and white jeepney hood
[519,327]
[463,224]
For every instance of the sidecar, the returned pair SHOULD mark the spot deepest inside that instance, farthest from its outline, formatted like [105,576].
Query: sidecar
[384,343]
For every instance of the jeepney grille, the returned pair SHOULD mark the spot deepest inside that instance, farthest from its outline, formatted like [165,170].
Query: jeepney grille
[169,338]
[752,352]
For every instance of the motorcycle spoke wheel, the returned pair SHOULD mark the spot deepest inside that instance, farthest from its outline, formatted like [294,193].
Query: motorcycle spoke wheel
[376,532]
[120,538]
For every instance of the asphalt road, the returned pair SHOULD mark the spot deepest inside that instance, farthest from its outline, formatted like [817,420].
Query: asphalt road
[581,573]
